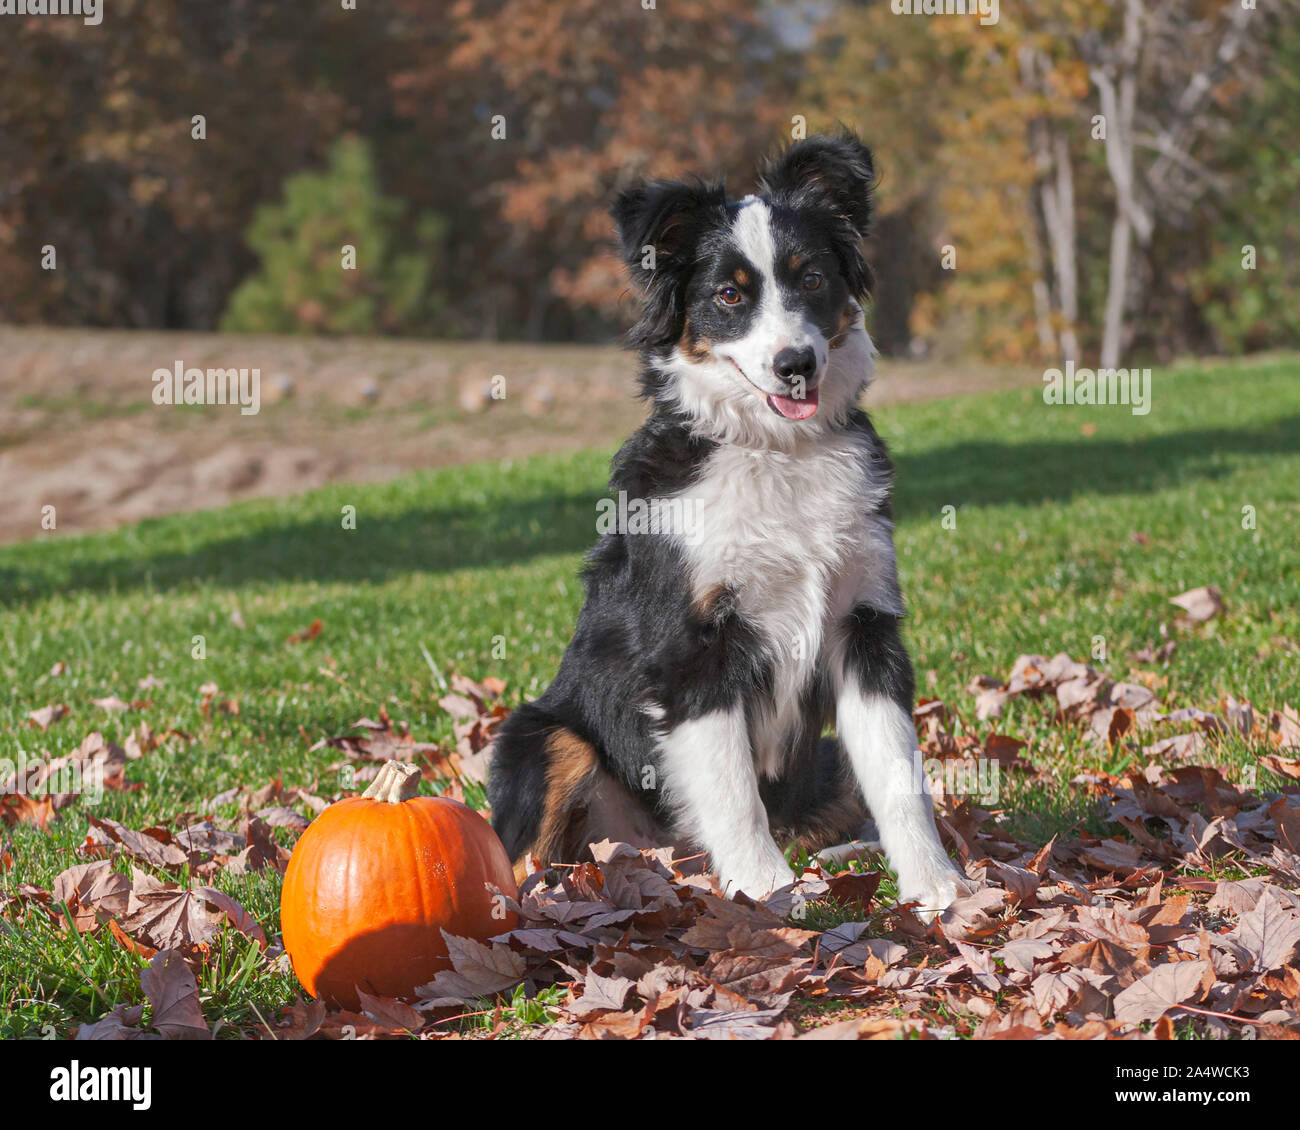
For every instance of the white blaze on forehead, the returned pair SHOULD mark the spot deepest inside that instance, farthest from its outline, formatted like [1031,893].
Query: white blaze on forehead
[752,229]
[774,325]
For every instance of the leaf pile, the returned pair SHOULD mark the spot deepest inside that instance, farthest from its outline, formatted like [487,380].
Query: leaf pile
[1188,914]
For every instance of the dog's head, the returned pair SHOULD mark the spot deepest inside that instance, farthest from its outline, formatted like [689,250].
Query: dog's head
[752,319]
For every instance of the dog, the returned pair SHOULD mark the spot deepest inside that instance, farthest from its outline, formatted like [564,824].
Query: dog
[710,655]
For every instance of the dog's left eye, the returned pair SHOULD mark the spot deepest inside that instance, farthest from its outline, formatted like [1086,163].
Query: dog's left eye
[812,280]
[729,295]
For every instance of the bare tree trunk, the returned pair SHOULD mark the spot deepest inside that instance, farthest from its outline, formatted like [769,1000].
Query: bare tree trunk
[1121,243]
[1056,305]
[1064,247]
[1117,89]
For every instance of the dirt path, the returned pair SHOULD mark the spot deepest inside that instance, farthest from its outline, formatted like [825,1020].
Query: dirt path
[79,429]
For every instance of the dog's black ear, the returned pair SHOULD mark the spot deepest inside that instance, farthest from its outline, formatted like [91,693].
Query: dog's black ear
[659,226]
[659,221]
[835,174]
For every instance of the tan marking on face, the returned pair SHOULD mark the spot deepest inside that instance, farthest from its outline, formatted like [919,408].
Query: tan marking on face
[692,347]
[742,277]
[796,261]
[846,321]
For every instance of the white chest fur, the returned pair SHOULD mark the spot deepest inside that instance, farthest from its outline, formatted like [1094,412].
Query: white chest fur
[794,535]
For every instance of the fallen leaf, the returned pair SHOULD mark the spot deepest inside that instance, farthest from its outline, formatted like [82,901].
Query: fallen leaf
[391,1013]
[123,1023]
[1165,987]
[309,633]
[1270,933]
[1200,604]
[154,846]
[174,994]
[92,892]
[46,716]
[477,971]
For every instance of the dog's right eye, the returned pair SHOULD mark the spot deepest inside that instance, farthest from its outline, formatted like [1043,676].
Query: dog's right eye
[729,296]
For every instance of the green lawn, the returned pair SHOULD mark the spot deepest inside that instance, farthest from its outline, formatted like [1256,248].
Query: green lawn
[1044,558]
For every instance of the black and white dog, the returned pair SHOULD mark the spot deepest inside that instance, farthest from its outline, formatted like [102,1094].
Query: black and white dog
[710,655]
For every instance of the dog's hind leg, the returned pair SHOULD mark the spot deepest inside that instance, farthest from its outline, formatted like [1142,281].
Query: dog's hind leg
[551,797]
[822,809]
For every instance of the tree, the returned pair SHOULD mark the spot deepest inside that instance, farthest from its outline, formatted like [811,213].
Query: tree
[1158,78]
[546,110]
[331,259]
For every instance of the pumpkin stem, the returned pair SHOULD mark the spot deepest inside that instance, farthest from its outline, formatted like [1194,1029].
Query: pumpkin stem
[394,783]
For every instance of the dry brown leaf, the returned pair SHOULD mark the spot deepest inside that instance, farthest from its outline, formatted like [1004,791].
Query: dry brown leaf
[154,846]
[477,971]
[1165,987]
[46,716]
[308,633]
[1200,604]
[391,1013]
[1269,932]
[123,1023]
[174,996]
[92,892]
[19,808]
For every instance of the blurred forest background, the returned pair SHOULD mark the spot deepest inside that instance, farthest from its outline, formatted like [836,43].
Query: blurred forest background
[198,165]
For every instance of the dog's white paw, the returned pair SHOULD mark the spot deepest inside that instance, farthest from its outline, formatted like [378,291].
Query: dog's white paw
[760,882]
[934,891]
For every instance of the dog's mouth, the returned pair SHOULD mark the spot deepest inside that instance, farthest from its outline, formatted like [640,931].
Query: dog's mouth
[792,408]
[788,407]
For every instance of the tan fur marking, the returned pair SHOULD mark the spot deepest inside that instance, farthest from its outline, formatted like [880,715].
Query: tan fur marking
[571,768]
[845,322]
[742,277]
[705,606]
[693,347]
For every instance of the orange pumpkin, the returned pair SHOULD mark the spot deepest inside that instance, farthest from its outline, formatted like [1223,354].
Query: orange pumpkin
[374,881]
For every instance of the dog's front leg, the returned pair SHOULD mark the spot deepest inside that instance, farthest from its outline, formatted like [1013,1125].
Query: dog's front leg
[713,786]
[874,693]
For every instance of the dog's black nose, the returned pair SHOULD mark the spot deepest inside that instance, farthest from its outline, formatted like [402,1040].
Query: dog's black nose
[791,364]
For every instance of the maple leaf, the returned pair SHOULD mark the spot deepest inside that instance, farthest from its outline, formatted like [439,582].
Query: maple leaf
[205,838]
[1282,766]
[764,981]
[1103,956]
[19,808]
[739,1024]
[601,994]
[174,995]
[1021,953]
[1165,987]
[477,971]
[92,891]
[393,1014]
[301,1020]
[154,846]
[1270,933]
[165,916]
[123,1023]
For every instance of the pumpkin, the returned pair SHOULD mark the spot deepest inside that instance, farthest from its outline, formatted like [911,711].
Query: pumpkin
[374,881]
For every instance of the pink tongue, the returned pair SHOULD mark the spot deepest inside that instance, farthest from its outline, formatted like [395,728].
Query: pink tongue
[793,409]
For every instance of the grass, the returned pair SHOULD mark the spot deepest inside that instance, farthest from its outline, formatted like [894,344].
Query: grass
[1073,526]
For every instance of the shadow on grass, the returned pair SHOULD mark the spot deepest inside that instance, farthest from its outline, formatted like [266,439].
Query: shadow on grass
[992,473]
[532,521]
